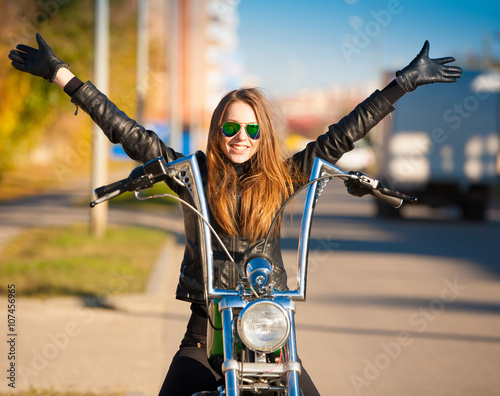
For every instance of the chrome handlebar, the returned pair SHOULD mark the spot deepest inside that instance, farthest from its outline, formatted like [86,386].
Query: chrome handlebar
[185,171]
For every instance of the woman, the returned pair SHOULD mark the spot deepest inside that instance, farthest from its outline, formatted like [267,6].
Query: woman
[245,176]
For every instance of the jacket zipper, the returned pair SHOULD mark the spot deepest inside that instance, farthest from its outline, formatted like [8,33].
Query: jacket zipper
[232,271]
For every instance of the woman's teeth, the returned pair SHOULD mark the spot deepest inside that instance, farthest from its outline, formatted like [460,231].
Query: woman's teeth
[239,148]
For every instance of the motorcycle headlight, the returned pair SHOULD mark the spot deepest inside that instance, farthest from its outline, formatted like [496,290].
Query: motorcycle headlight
[263,326]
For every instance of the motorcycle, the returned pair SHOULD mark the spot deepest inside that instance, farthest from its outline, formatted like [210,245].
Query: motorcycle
[251,330]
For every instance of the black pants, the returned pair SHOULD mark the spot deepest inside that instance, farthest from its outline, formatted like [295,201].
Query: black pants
[190,371]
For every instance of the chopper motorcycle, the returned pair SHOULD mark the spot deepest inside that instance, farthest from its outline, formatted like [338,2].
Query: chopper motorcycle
[251,329]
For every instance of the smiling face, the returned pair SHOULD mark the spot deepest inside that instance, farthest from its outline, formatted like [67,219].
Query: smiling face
[240,147]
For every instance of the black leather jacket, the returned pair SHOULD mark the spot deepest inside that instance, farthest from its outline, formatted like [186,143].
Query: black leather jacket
[143,145]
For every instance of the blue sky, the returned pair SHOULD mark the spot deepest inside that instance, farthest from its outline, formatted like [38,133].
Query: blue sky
[289,44]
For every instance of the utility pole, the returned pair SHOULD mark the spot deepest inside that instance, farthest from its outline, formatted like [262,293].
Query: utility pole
[175,79]
[195,66]
[100,144]
[142,57]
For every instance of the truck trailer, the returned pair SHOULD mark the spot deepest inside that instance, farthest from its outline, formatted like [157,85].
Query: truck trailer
[442,145]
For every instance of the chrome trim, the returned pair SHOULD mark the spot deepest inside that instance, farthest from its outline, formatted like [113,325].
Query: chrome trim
[292,376]
[231,364]
[240,303]
[231,373]
[320,168]
[232,302]
[186,172]
[271,368]
[259,272]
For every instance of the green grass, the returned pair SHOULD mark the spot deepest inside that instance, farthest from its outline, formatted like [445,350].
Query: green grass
[69,261]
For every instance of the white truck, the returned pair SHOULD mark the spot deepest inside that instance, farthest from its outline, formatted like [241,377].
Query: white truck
[442,144]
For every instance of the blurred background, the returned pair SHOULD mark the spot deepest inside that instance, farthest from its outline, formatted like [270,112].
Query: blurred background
[168,63]
[411,306]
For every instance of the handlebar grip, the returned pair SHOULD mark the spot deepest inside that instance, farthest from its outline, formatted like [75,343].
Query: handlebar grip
[393,201]
[104,190]
[142,177]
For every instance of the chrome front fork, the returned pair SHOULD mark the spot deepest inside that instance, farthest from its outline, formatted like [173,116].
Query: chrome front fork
[231,367]
[292,376]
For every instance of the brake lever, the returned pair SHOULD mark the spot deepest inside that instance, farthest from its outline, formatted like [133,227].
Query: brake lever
[375,185]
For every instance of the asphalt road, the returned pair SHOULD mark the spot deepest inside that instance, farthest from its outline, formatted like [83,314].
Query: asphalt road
[400,307]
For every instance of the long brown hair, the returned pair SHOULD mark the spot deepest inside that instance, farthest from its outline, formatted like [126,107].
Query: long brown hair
[269,181]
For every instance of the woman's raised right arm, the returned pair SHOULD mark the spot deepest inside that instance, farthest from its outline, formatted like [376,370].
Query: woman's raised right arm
[139,143]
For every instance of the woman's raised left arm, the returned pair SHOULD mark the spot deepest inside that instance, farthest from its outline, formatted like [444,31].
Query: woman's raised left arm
[341,136]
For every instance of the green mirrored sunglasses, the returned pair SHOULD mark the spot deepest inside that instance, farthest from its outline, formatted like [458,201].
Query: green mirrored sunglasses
[230,129]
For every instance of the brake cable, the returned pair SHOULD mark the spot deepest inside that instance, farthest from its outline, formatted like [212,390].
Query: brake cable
[278,213]
[207,222]
[136,193]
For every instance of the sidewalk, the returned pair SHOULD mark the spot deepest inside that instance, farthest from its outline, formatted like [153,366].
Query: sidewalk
[66,344]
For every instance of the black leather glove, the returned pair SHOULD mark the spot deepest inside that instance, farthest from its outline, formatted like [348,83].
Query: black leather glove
[423,70]
[40,62]
[354,186]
